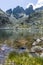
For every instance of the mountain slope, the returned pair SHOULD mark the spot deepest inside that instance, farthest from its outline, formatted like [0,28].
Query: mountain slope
[29,10]
[19,12]
[4,19]
[39,9]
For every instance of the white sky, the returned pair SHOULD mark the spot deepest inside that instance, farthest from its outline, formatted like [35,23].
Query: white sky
[38,4]
[7,4]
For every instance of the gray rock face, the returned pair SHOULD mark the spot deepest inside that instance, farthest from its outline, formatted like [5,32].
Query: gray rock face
[37,41]
[37,49]
[4,19]
[41,55]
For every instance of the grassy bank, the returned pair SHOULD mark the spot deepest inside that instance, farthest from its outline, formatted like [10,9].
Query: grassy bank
[23,59]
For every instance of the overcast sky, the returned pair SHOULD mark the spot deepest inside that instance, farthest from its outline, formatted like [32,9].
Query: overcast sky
[6,4]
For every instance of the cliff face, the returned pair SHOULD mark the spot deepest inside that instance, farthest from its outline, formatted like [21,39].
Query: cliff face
[19,12]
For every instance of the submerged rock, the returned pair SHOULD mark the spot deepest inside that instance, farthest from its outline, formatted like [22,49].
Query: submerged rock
[41,54]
